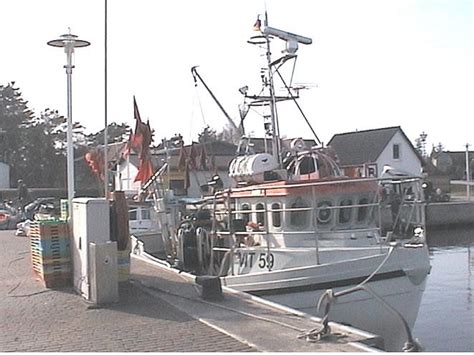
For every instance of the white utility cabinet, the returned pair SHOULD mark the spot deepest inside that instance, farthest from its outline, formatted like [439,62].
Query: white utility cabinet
[103,272]
[91,224]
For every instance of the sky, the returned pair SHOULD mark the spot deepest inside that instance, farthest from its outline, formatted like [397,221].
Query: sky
[372,63]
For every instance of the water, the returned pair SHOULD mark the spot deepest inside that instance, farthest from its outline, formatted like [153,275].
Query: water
[446,318]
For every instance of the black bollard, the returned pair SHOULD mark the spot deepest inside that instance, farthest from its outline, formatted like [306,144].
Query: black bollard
[211,287]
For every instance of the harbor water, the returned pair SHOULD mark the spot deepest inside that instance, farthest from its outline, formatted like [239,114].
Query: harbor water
[446,317]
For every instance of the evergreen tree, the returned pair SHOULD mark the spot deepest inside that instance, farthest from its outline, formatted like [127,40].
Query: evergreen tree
[14,113]
[420,145]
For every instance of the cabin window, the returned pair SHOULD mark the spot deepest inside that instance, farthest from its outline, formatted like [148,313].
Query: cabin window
[362,211]
[260,214]
[178,187]
[132,215]
[345,212]
[245,215]
[146,213]
[276,215]
[299,217]
[307,165]
[324,213]
[396,151]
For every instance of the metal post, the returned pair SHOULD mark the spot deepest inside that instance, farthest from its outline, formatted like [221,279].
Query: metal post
[315,222]
[276,148]
[468,174]
[69,42]
[106,162]
[70,148]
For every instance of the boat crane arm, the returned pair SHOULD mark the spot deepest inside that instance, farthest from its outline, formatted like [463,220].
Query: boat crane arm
[197,76]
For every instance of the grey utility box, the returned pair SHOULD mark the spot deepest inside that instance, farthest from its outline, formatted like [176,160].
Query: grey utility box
[103,273]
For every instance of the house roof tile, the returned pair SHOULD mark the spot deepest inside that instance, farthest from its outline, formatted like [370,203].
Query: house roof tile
[355,148]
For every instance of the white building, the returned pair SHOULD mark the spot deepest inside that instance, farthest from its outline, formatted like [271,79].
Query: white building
[365,153]
[4,176]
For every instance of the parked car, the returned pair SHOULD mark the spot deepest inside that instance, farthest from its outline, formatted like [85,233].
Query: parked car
[9,216]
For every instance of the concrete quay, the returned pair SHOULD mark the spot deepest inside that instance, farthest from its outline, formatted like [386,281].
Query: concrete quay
[159,310]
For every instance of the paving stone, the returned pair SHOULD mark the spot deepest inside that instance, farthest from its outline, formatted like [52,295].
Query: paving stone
[36,319]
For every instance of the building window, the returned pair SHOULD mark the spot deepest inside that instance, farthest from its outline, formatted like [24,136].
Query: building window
[260,214]
[276,215]
[396,151]
[146,213]
[178,187]
[132,215]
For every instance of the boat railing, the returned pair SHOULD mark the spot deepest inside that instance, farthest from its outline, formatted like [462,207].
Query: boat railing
[235,221]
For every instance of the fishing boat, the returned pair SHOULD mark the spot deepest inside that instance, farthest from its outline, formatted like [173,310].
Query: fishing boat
[294,230]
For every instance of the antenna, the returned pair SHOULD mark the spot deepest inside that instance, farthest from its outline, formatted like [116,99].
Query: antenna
[291,39]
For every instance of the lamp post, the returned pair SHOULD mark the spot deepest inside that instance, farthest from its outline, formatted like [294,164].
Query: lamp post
[69,42]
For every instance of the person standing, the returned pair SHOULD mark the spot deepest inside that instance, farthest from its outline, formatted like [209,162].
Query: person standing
[24,196]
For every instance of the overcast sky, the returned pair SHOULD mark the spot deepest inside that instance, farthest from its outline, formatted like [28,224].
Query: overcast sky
[372,64]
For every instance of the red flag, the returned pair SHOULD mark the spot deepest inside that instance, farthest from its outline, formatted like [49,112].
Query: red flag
[95,159]
[146,140]
[142,137]
[145,171]
[136,114]
[141,141]
[136,139]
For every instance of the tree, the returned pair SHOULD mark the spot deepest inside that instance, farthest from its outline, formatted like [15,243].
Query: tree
[207,135]
[45,154]
[115,133]
[13,113]
[420,145]
[438,148]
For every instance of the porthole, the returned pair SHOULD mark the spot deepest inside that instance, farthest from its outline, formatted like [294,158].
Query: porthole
[324,214]
[345,212]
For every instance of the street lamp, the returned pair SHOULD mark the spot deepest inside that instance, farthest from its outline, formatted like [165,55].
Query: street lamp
[69,42]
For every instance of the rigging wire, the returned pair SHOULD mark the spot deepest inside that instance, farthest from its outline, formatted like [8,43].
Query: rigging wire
[299,107]
[200,105]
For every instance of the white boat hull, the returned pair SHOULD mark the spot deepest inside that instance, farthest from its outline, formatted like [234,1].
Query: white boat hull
[363,311]
[400,282]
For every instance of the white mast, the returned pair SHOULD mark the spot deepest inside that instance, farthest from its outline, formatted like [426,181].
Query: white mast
[276,144]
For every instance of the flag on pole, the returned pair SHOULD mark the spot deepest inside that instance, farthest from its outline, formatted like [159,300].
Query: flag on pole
[145,171]
[141,141]
[137,137]
[258,24]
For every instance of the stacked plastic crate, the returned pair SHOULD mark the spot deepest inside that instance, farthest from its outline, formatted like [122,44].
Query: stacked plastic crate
[51,253]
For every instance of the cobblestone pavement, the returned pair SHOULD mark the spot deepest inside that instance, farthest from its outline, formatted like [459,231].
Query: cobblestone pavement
[36,319]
